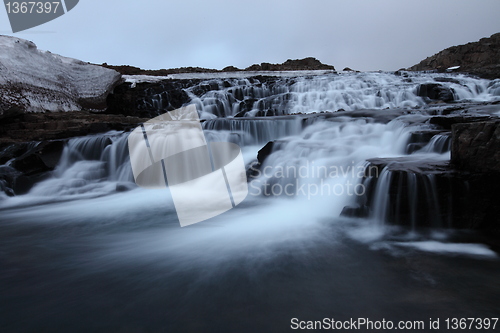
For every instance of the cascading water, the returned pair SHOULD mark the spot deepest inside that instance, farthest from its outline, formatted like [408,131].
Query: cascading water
[440,144]
[90,247]
[271,96]
[94,166]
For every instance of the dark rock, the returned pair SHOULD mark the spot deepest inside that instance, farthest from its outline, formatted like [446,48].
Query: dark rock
[431,194]
[14,182]
[476,147]
[419,139]
[446,79]
[410,164]
[231,69]
[417,192]
[131,70]
[359,211]
[435,91]
[56,126]
[306,63]
[347,69]
[42,158]
[289,65]
[447,122]
[480,58]
[413,196]
[240,114]
[8,176]
[309,63]
[30,163]
[125,187]
[265,151]
[148,100]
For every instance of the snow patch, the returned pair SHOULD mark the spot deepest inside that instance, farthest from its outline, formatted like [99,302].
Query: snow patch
[32,80]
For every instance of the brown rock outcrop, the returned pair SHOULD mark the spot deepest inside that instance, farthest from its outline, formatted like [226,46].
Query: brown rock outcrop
[481,58]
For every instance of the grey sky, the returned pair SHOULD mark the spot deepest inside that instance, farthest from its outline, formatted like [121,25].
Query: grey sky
[361,34]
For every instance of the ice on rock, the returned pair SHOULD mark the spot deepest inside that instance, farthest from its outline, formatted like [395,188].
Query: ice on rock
[32,80]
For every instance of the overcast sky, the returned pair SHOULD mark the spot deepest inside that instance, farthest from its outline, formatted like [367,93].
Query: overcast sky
[361,34]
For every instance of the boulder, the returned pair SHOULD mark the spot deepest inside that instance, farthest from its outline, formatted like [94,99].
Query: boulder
[44,156]
[265,151]
[347,69]
[435,91]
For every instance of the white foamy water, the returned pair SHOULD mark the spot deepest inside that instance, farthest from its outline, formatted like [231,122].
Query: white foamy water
[278,94]
[315,166]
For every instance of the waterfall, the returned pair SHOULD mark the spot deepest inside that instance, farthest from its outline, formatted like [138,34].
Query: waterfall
[271,96]
[382,203]
[318,155]
[256,131]
[89,166]
[440,144]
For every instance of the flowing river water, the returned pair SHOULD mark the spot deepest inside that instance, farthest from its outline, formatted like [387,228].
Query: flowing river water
[87,250]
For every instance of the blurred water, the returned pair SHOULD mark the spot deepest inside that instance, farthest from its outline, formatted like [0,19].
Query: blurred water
[86,250]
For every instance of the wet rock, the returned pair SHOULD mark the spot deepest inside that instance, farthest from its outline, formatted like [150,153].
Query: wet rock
[8,176]
[60,125]
[41,158]
[423,193]
[448,121]
[29,164]
[14,182]
[357,211]
[265,151]
[418,192]
[476,146]
[446,79]
[435,91]
[125,187]
[148,100]
[420,139]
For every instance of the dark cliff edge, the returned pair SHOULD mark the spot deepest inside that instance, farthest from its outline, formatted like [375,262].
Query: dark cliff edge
[481,58]
[309,63]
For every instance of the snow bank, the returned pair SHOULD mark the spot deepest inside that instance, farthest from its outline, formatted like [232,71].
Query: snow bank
[32,80]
